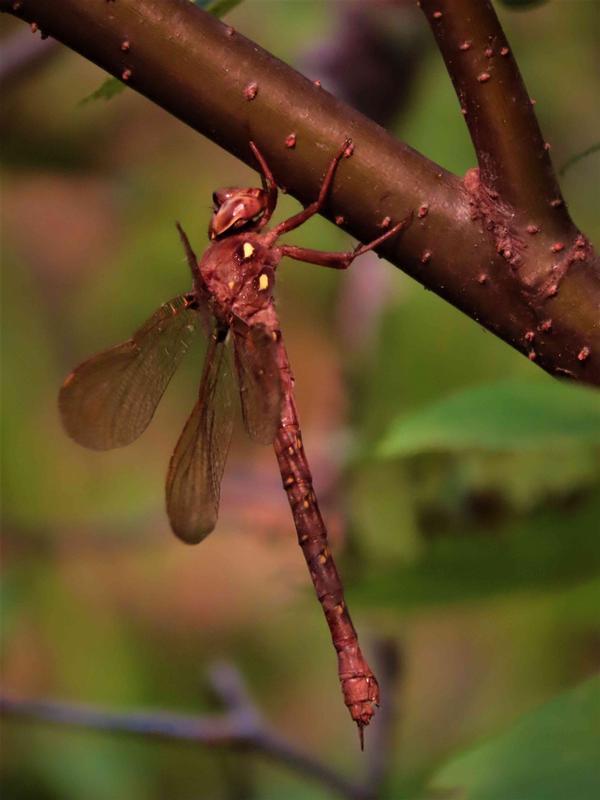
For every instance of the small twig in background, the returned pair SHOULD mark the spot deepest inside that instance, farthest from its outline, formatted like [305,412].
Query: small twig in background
[380,756]
[241,726]
[575,159]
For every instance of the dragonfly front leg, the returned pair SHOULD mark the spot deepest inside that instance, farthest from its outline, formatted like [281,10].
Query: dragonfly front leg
[269,185]
[302,216]
[344,259]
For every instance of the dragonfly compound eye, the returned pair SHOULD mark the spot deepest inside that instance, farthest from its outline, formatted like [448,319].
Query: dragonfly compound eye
[236,209]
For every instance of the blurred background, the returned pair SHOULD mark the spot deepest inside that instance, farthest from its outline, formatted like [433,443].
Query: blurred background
[459,482]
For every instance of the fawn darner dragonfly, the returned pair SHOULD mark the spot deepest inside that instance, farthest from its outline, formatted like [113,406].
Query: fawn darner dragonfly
[109,400]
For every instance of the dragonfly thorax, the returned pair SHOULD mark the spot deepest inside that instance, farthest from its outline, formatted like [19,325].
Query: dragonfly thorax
[238,272]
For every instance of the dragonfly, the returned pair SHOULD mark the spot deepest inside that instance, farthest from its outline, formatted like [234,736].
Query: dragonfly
[109,400]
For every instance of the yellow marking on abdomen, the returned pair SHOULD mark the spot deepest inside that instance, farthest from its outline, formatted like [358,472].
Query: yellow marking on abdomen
[247,249]
[263,282]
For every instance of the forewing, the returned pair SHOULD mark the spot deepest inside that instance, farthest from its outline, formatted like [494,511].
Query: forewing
[109,400]
[197,464]
[259,381]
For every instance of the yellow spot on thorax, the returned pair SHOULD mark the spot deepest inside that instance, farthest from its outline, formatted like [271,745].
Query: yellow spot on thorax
[263,282]
[247,249]
[231,284]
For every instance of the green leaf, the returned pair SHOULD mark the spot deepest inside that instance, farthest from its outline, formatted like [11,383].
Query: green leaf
[544,550]
[510,415]
[549,754]
[106,91]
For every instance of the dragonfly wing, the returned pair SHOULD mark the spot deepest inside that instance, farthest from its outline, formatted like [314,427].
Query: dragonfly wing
[259,380]
[197,464]
[109,400]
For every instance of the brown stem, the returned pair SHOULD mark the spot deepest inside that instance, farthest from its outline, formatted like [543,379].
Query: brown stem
[511,260]
[497,108]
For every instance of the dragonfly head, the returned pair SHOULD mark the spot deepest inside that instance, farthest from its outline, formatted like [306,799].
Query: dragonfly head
[235,209]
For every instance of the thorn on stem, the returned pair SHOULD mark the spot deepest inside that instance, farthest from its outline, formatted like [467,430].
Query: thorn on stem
[251,90]
[584,354]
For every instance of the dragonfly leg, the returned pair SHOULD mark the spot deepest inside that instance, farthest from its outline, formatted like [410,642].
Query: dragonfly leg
[344,259]
[269,185]
[189,253]
[312,209]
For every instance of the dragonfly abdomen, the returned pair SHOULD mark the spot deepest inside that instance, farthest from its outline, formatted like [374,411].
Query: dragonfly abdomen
[359,686]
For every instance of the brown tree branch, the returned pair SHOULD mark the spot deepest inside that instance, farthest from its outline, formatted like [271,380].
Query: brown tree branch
[498,110]
[503,264]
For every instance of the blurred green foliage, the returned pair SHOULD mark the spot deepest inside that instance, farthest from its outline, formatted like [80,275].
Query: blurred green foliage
[549,754]
[466,480]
